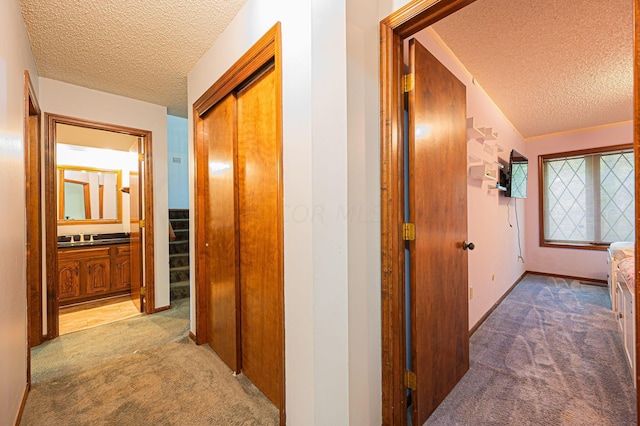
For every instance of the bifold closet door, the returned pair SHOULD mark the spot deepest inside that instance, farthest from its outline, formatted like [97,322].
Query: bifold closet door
[260,245]
[221,236]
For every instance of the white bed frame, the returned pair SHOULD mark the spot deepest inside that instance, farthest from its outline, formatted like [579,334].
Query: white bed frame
[626,318]
[612,279]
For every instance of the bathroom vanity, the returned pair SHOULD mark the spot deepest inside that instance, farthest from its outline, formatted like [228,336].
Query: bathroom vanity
[93,270]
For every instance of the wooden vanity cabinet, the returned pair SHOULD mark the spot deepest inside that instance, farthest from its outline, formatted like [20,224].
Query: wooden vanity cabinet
[122,273]
[88,273]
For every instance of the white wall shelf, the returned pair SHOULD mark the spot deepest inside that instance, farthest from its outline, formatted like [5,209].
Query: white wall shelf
[483,172]
[473,132]
[497,186]
[473,158]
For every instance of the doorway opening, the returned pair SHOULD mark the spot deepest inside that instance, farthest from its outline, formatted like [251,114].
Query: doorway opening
[99,223]
[395,29]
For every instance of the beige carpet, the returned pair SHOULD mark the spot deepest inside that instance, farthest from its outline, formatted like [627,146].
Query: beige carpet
[141,371]
[550,354]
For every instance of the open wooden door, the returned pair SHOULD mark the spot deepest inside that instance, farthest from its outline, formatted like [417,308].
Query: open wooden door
[136,209]
[438,208]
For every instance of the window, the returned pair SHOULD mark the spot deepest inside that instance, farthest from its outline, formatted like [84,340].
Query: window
[587,197]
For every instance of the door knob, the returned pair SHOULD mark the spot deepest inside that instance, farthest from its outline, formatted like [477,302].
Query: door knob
[468,245]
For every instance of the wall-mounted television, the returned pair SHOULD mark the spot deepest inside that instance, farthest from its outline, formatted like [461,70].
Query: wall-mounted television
[514,177]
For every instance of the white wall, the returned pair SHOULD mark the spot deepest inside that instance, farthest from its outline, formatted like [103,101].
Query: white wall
[317,320]
[363,151]
[15,57]
[65,99]
[178,162]
[571,262]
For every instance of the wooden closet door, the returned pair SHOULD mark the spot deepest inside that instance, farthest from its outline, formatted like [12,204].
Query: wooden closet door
[221,236]
[261,282]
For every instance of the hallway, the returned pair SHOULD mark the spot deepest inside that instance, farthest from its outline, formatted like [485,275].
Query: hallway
[140,371]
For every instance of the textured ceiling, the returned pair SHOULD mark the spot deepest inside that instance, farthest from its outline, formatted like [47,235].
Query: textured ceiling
[551,66]
[136,48]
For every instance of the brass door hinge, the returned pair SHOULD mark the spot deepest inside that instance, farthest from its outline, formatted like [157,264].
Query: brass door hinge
[408,82]
[410,380]
[408,231]
[141,157]
[143,291]
[141,223]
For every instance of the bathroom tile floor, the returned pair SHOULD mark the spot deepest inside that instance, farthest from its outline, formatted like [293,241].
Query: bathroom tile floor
[86,315]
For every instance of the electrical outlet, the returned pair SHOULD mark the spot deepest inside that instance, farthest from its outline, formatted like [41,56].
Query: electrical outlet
[470,293]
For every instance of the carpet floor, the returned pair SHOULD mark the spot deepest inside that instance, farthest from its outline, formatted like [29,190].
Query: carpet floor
[550,354]
[140,371]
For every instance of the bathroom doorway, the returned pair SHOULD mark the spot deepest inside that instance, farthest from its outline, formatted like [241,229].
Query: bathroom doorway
[99,225]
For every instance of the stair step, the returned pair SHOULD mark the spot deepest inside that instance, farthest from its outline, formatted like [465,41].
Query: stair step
[178,213]
[179,224]
[179,268]
[178,259]
[179,290]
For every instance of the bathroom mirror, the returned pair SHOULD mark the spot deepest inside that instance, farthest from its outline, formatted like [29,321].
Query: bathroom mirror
[89,195]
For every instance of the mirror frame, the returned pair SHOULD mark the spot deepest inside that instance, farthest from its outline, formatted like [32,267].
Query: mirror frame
[60,196]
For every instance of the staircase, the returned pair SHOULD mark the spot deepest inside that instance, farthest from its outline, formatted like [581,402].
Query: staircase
[179,255]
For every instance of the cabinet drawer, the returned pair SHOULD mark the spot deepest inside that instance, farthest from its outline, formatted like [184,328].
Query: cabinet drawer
[123,250]
[82,253]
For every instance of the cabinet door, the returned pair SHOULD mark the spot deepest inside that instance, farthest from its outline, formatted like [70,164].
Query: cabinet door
[98,276]
[122,274]
[629,330]
[68,279]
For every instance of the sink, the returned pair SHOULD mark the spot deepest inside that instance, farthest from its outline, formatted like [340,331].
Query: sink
[102,242]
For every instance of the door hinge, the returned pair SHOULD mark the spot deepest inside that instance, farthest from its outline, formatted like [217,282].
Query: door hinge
[143,291]
[408,82]
[408,231]
[141,157]
[141,223]
[410,380]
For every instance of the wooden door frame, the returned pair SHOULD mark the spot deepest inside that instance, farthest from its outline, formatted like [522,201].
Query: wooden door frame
[267,48]
[33,217]
[51,216]
[405,22]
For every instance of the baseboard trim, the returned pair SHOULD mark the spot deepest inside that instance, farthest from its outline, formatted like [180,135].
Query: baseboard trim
[590,281]
[495,305]
[192,335]
[25,393]
[162,309]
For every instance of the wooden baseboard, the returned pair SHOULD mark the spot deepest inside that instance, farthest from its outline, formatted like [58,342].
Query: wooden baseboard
[591,281]
[25,393]
[495,305]
[162,309]
[192,336]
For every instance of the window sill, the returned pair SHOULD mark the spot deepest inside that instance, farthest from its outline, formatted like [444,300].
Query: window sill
[579,246]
